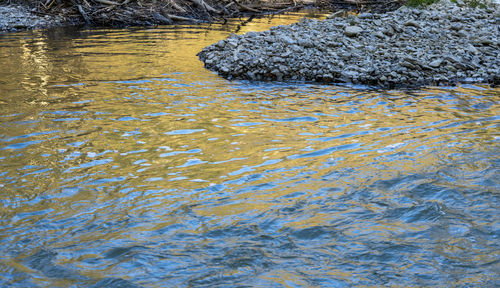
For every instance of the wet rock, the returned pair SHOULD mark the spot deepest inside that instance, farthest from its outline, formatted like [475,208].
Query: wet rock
[436,63]
[389,31]
[412,22]
[365,15]
[379,35]
[486,41]
[472,49]
[456,26]
[336,14]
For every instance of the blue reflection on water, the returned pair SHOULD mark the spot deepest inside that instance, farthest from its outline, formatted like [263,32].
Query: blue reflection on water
[202,182]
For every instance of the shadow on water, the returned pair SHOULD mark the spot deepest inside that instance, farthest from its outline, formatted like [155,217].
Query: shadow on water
[124,163]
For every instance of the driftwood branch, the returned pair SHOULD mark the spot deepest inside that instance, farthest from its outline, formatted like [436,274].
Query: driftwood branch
[177,6]
[147,12]
[48,4]
[246,7]
[107,2]
[84,15]
[205,6]
[180,18]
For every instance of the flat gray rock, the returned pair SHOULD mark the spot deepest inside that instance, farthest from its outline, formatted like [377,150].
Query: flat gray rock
[353,31]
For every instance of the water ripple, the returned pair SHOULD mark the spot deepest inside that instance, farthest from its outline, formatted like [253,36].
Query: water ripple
[142,169]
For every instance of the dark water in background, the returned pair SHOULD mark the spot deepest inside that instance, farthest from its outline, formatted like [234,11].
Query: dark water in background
[123,163]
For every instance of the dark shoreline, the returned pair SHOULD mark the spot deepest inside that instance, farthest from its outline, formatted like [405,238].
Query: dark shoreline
[24,15]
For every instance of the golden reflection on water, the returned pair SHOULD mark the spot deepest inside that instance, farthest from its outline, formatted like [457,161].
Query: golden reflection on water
[130,133]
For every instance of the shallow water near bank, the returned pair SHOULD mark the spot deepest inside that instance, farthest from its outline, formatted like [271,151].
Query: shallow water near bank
[124,163]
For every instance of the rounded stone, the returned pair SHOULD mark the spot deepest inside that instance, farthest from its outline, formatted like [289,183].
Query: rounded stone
[352,31]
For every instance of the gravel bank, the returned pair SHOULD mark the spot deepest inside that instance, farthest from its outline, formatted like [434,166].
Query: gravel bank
[13,18]
[441,44]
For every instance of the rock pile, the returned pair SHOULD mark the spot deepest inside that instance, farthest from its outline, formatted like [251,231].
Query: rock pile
[441,44]
[14,18]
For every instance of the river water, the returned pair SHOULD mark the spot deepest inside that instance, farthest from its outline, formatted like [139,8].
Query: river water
[124,163]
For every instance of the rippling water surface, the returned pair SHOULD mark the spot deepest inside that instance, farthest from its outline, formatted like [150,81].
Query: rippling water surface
[123,163]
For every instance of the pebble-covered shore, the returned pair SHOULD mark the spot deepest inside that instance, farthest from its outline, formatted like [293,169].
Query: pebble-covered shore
[441,44]
[15,17]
